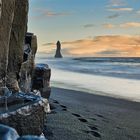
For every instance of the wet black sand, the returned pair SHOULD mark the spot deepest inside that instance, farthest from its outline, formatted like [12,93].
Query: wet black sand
[77,115]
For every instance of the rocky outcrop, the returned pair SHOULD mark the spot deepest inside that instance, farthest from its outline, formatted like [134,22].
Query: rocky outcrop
[30,48]
[28,117]
[41,79]
[34,45]
[6,20]
[26,114]
[18,30]
[13,25]
[9,133]
[58,50]
[0,8]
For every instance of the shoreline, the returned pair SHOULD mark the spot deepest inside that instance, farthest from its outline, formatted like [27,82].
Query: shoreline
[93,92]
[101,85]
[78,115]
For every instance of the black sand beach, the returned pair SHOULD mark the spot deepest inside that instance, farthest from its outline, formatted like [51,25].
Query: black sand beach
[81,116]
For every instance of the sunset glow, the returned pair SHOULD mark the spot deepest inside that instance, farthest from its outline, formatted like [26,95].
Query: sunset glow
[86,27]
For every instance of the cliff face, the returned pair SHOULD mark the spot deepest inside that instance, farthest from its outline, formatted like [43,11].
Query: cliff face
[34,44]
[27,119]
[6,19]
[30,48]
[13,25]
[18,30]
[15,70]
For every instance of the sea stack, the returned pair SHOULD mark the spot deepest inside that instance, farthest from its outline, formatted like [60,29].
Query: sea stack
[58,50]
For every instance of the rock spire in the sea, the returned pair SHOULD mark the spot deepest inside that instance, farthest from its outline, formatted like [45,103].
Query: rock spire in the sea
[58,50]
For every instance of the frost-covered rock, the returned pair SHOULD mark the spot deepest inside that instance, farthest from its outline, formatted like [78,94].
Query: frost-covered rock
[30,48]
[26,113]
[8,133]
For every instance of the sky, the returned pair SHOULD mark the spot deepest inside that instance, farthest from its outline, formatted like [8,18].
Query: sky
[97,28]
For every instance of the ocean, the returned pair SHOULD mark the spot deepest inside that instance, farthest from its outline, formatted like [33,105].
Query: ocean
[115,77]
[115,67]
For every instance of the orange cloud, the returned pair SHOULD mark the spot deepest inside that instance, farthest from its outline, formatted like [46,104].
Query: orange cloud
[128,9]
[130,24]
[109,25]
[114,46]
[122,25]
[117,2]
[52,13]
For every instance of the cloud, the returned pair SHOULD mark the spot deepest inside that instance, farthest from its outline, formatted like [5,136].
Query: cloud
[49,13]
[117,46]
[122,25]
[88,25]
[110,52]
[138,12]
[108,25]
[113,16]
[52,13]
[73,42]
[130,24]
[117,2]
[48,44]
[128,9]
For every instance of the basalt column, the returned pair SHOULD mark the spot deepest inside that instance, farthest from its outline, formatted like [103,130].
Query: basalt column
[19,28]
[30,48]
[34,50]
[6,18]
[34,44]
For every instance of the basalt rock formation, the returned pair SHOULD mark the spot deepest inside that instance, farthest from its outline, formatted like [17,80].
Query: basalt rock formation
[28,117]
[13,26]
[30,48]
[18,30]
[58,50]
[19,107]
[9,133]
[41,79]
[6,20]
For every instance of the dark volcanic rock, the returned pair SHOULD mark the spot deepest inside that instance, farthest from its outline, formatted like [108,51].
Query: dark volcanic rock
[26,116]
[58,50]
[34,44]
[41,79]
[30,48]
[18,30]
[31,138]
[28,119]
[6,19]
[8,133]
[13,25]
